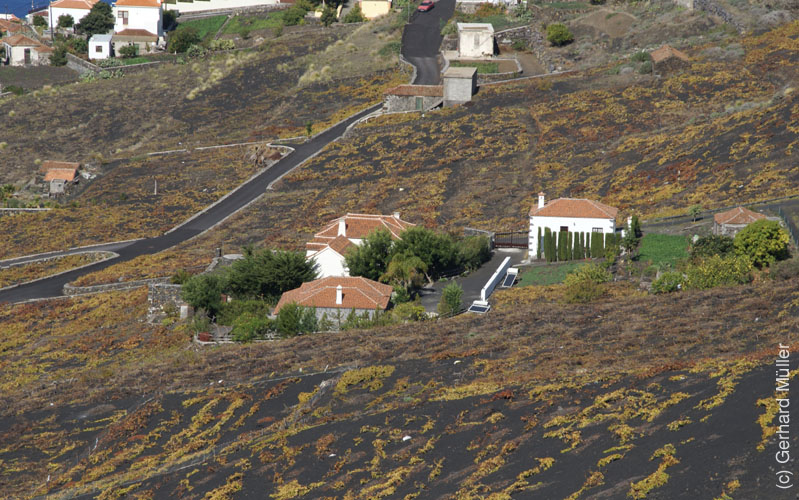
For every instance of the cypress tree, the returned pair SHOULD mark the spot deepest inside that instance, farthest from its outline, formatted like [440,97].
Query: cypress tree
[570,246]
[588,245]
[538,244]
[548,244]
[563,245]
[578,247]
[596,245]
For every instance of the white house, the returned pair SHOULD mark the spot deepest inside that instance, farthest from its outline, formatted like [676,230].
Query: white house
[136,15]
[330,245]
[570,214]
[23,51]
[100,46]
[75,8]
[475,40]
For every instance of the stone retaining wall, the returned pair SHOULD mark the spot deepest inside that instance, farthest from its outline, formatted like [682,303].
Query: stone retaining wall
[81,66]
[715,9]
[72,290]
[533,39]
[17,211]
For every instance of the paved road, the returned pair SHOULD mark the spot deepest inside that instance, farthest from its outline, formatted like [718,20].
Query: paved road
[244,194]
[421,41]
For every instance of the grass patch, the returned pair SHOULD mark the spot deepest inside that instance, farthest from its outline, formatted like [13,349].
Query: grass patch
[482,67]
[207,26]
[547,275]
[136,60]
[663,249]
[239,25]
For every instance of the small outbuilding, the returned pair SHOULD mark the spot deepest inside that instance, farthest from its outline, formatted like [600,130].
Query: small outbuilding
[413,98]
[667,58]
[100,46]
[730,222]
[23,51]
[58,176]
[145,40]
[372,9]
[475,40]
[460,84]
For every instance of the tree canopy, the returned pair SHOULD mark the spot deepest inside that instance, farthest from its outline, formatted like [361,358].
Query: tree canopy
[267,274]
[99,20]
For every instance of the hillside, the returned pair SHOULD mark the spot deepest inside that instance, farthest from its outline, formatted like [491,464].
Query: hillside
[541,401]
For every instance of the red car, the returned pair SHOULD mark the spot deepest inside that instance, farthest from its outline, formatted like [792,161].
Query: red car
[425,6]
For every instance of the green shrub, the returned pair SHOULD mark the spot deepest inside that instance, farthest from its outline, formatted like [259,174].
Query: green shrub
[39,22]
[169,19]
[59,56]
[645,68]
[129,51]
[712,245]
[409,311]
[221,45]
[641,56]
[267,274]
[716,271]
[249,327]
[519,45]
[196,51]
[180,277]
[584,284]
[293,319]
[65,21]
[450,303]
[473,251]
[786,269]
[182,38]
[763,242]
[230,311]
[328,16]
[294,15]
[391,48]
[204,291]
[100,19]
[668,282]
[355,15]
[558,34]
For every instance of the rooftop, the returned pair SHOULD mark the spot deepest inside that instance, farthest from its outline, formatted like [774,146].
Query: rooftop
[357,293]
[134,35]
[20,41]
[106,37]
[461,72]
[666,52]
[48,164]
[476,26]
[417,90]
[64,174]
[138,3]
[738,215]
[74,4]
[575,207]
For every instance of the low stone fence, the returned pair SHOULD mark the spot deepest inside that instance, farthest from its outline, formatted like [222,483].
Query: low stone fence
[72,290]
[715,9]
[81,66]
[534,40]
[483,78]
[17,211]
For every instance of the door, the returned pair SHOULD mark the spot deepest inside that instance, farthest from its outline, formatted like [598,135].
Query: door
[419,104]
[27,56]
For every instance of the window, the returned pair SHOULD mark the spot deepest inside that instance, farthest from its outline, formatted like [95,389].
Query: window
[98,49]
[123,14]
[597,230]
[564,228]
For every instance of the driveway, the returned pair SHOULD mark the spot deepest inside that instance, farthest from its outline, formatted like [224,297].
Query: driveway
[473,282]
[239,198]
[421,41]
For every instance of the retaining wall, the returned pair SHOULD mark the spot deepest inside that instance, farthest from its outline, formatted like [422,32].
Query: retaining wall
[72,290]
[17,211]
[715,9]
[81,66]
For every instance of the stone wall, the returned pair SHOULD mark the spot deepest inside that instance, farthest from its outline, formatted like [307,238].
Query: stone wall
[483,78]
[81,66]
[72,290]
[715,9]
[161,297]
[17,211]
[397,103]
[535,41]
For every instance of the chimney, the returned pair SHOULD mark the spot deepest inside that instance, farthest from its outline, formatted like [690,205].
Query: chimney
[396,215]
[339,295]
[342,226]
[541,199]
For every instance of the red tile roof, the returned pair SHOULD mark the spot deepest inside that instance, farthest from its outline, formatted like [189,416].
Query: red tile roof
[10,26]
[65,174]
[358,226]
[738,215]
[135,35]
[357,293]
[20,41]
[138,3]
[74,4]
[47,165]
[575,207]
[417,90]
[666,52]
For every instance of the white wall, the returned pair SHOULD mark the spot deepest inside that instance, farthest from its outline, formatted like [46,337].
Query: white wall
[575,225]
[56,12]
[329,263]
[140,18]
[104,54]
[216,4]
[16,55]
[475,43]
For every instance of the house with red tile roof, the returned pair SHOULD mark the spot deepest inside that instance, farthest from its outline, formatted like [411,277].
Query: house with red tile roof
[21,50]
[75,8]
[329,246]
[576,215]
[9,28]
[336,297]
[730,222]
[58,175]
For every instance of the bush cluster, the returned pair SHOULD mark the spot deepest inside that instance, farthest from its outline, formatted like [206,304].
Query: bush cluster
[558,34]
[584,284]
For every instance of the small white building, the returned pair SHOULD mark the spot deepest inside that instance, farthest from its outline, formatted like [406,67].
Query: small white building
[23,51]
[475,40]
[575,215]
[330,245]
[100,46]
[460,84]
[75,8]
[373,9]
[138,16]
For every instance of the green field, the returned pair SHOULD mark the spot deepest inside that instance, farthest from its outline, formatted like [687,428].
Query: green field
[239,25]
[549,274]
[663,249]
[205,27]
[482,67]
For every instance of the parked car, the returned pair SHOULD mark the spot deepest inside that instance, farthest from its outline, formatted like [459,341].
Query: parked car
[425,6]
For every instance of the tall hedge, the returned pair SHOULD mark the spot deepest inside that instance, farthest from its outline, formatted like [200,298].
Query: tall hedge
[597,245]
[570,246]
[548,245]
[538,244]
[563,245]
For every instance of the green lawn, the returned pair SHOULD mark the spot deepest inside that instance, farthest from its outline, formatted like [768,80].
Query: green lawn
[205,27]
[663,248]
[238,25]
[482,67]
[549,274]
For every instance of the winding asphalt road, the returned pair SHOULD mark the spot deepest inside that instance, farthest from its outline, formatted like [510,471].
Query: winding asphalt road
[421,41]
[240,197]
